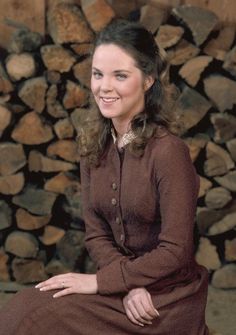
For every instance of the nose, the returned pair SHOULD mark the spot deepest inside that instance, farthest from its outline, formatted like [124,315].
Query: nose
[106,85]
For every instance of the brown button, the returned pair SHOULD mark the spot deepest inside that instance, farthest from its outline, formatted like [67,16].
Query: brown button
[114,186]
[114,201]
[118,220]
[122,237]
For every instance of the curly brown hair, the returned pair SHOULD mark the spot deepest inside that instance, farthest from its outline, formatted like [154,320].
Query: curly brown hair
[159,98]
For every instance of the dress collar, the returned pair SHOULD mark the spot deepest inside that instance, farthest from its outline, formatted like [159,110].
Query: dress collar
[125,139]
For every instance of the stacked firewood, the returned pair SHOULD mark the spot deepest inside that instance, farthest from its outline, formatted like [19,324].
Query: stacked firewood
[44,87]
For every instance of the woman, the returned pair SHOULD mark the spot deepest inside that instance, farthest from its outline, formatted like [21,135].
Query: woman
[139,191]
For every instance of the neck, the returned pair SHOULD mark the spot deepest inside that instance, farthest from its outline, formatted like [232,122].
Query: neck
[121,128]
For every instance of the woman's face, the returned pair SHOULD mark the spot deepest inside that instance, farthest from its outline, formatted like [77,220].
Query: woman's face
[117,84]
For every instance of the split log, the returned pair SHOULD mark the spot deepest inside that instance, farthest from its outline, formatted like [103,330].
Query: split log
[205,185]
[61,182]
[54,107]
[20,66]
[12,286]
[36,201]
[53,77]
[221,90]
[227,223]
[27,221]
[75,96]
[73,206]
[152,17]
[28,271]
[22,244]
[39,162]
[191,107]
[123,8]
[5,215]
[192,69]
[167,35]
[219,46]
[15,14]
[64,129]
[23,40]
[66,24]
[57,58]
[51,235]
[230,62]
[224,9]
[230,250]
[200,21]
[71,249]
[5,118]
[4,271]
[224,125]
[218,160]
[231,146]
[89,265]
[55,267]
[33,92]
[31,129]
[15,108]
[212,261]
[98,13]
[12,184]
[5,83]
[82,72]
[12,158]
[83,49]
[225,277]
[66,149]
[228,181]
[195,144]
[217,197]
[182,52]
[207,217]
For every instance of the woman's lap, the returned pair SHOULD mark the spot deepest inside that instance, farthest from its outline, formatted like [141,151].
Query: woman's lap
[32,312]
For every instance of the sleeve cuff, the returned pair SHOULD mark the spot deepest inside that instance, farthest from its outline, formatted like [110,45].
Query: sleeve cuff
[110,279]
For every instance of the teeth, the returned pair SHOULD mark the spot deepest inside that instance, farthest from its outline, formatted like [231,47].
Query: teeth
[109,99]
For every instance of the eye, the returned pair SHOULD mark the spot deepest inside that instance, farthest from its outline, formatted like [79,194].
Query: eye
[97,75]
[121,76]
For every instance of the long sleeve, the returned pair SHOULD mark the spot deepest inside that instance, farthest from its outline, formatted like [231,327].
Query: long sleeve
[177,189]
[99,239]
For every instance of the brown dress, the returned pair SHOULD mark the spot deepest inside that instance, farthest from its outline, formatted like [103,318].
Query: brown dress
[139,214]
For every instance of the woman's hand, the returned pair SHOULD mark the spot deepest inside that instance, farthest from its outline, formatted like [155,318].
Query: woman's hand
[139,307]
[70,283]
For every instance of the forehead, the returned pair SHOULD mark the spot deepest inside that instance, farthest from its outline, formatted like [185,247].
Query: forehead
[111,55]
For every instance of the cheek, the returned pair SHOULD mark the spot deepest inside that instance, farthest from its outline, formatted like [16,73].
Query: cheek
[133,89]
[93,86]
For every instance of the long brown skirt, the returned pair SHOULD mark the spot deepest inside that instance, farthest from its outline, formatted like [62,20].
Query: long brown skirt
[31,312]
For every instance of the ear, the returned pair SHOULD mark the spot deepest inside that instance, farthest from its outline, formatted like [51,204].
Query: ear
[148,82]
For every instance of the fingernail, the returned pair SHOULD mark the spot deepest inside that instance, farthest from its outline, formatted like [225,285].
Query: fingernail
[157,312]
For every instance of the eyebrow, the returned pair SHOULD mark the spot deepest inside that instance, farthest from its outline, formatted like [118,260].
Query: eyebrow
[116,71]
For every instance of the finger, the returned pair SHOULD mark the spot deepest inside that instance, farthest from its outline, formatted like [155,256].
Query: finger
[52,285]
[55,279]
[142,313]
[151,303]
[137,315]
[64,292]
[132,319]
[146,309]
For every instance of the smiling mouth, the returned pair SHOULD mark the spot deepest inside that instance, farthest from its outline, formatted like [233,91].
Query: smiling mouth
[107,100]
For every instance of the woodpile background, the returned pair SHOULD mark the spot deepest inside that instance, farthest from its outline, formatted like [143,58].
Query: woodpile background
[44,89]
